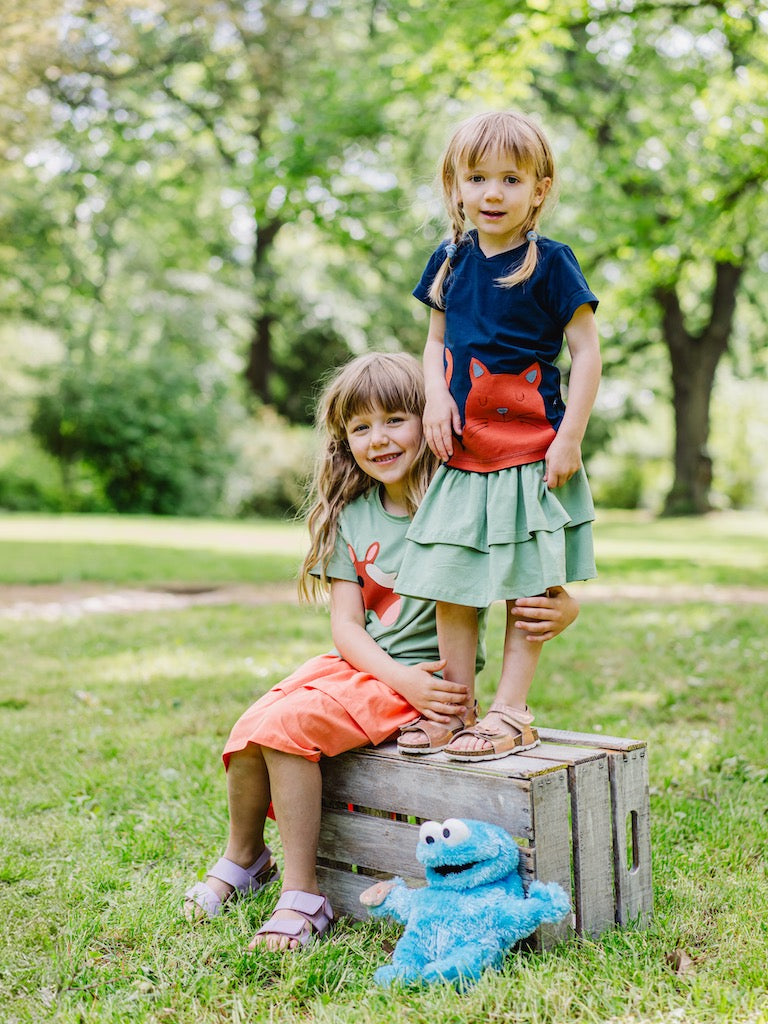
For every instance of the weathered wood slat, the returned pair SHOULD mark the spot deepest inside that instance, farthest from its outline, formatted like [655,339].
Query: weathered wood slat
[592,852]
[343,889]
[631,813]
[382,845]
[586,739]
[375,843]
[550,802]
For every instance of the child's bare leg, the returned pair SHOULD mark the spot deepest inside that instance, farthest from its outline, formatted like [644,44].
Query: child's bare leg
[296,786]
[517,672]
[457,642]
[248,795]
[518,666]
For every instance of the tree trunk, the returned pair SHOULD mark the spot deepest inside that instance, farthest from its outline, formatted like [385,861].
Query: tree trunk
[691,386]
[259,362]
[694,359]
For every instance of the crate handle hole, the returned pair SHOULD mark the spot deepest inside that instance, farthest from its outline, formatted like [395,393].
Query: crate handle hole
[632,843]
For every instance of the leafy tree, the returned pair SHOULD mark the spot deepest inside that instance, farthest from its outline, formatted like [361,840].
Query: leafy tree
[669,105]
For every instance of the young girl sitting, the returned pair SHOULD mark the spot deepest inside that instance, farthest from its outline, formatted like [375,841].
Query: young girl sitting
[373,469]
[509,513]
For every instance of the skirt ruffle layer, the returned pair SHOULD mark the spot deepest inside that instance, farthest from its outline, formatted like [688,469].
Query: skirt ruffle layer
[484,537]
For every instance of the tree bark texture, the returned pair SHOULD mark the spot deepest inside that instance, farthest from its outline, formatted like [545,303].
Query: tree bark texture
[259,362]
[694,359]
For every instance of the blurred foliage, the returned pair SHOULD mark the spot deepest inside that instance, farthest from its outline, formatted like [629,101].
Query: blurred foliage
[31,480]
[150,429]
[273,467]
[249,185]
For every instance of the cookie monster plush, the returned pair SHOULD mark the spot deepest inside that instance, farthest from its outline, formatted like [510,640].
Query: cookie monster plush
[472,910]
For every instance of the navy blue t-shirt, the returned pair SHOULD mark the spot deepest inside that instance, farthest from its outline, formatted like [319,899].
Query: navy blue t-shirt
[500,348]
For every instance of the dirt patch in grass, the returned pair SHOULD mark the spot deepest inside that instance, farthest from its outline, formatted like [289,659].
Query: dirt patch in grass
[74,600]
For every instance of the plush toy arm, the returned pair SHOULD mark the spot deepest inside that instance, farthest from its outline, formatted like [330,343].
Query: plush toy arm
[549,901]
[388,899]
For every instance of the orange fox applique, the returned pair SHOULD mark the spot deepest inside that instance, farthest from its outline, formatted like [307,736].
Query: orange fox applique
[379,596]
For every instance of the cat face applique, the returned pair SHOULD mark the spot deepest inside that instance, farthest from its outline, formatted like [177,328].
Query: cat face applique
[505,420]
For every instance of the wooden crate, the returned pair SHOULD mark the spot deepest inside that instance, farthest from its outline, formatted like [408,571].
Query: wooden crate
[630,818]
[566,802]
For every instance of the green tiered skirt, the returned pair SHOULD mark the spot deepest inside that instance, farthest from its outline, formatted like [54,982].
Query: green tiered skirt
[484,537]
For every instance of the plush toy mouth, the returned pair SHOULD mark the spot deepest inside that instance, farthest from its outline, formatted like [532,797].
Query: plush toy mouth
[454,869]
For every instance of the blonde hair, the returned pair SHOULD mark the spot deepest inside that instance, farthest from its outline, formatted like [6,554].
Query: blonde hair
[514,135]
[393,382]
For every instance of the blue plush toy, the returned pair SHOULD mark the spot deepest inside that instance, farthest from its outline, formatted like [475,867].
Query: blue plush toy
[472,910]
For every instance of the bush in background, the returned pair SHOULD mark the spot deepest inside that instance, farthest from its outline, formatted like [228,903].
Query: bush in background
[150,430]
[272,469]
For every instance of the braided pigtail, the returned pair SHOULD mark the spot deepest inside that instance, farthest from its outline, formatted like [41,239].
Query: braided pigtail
[455,209]
[527,267]
[436,288]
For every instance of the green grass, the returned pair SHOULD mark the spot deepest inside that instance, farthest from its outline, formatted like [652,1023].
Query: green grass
[725,548]
[54,549]
[113,803]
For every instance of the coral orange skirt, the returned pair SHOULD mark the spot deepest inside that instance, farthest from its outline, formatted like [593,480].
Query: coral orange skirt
[325,707]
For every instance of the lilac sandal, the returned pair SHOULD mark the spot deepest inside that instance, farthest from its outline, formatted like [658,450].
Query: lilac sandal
[315,909]
[242,880]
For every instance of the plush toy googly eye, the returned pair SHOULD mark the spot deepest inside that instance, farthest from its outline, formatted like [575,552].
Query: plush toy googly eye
[430,832]
[454,832]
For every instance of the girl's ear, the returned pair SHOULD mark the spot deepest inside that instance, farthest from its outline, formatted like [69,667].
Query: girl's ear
[543,185]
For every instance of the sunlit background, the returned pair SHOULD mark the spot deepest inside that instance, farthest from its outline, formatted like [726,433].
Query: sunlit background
[205,205]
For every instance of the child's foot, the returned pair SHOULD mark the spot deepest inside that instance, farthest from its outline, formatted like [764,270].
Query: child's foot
[225,880]
[427,737]
[503,731]
[297,917]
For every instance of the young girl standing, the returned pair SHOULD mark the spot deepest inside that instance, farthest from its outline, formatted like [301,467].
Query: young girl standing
[373,469]
[509,513]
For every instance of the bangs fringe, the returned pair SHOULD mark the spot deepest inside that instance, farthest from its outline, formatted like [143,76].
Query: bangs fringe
[515,135]
[390,382]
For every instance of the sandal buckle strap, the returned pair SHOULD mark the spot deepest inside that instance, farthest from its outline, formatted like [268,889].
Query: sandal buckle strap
[242,879]
[314,909]
[314,906]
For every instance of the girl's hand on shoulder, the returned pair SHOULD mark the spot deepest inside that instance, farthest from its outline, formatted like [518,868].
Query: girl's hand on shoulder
[435,698]
[441,421]
[562,460]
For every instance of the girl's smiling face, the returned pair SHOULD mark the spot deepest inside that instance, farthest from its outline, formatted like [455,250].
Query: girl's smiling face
[385,445]
[497,196]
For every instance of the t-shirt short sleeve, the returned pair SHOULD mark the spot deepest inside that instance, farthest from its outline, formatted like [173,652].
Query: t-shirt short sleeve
[566,287]
[421,291]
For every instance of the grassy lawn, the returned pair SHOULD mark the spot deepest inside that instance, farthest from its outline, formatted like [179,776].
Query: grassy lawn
[53,549]
[113,801]
[726,548]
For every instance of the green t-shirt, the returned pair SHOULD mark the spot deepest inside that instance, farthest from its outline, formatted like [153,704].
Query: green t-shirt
[369,549]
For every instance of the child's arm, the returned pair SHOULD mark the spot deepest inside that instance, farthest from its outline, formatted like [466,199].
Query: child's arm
[563,458]
[441,417]
[543,617]
[433,697]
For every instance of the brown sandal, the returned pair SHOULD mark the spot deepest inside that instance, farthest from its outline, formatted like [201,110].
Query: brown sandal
[499,744]
[438,735]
